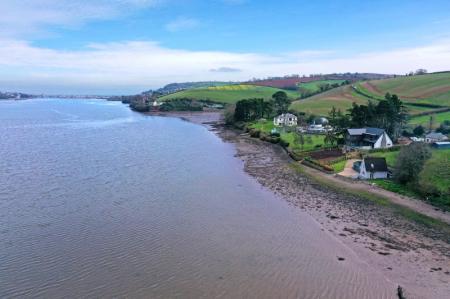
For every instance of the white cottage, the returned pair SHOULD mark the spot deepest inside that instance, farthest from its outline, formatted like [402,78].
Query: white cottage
[287,119]
[373,168]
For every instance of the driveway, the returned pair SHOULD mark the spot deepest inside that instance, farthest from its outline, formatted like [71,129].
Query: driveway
[348,171]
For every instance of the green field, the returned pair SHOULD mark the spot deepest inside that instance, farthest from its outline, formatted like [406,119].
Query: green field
[314,86]
[229,94]
[424,120]
[426,89]
[341,98]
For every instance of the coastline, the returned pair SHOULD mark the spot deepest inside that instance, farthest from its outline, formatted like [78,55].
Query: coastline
[411,254]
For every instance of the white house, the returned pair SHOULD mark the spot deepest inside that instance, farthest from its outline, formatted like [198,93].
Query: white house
[373,168]
[367,138]
[287,119]
[435,137]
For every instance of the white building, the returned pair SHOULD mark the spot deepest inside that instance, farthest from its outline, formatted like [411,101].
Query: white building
[287,119]
[373,168]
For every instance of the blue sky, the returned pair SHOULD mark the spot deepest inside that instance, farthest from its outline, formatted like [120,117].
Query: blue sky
[126,46]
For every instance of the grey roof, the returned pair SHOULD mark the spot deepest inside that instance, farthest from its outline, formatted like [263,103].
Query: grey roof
[360,131]
[435,135]
[375,164]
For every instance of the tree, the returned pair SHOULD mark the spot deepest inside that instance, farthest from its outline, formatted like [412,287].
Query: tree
[419,130]
[431,123]
[281,102]
[330,138]
[299,138]
[410,162]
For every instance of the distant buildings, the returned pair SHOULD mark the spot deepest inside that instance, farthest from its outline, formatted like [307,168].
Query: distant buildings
[287,119]
[367,138]
[435,137]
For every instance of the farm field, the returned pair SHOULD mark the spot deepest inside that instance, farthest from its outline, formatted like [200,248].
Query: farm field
[431,89]
[341,98]
[314,86]
[229,94]
[424,120]
[428,89]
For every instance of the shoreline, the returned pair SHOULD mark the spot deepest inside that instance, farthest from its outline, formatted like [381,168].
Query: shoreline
[410,254]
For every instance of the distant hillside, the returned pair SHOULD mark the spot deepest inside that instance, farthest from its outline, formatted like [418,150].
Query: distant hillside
[292,82]
[228,93]
[174,87]
[422,94]
[14,95]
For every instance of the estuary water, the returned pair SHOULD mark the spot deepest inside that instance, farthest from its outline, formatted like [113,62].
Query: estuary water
[99,201]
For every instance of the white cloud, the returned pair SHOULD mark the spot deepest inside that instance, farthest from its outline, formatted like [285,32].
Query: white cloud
[182,23]
[134,66]
[29,17]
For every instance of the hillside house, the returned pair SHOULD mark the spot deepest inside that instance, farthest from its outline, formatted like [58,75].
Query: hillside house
[367,138]
[435,137]
[373,168]
[287,119]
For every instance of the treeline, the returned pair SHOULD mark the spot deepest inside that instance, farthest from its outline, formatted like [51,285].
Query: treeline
[253,109]
[388,114]
[305,93]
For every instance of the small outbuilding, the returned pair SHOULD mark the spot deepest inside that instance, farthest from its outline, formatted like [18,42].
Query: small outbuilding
[373,168]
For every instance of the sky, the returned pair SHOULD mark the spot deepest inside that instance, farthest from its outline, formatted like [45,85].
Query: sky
[110,47]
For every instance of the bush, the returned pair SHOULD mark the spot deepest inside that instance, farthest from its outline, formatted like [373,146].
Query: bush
[410,162]
[275,134]
[386,150]
[283,142]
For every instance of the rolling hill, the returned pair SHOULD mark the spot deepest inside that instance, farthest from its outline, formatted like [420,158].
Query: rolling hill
[228,94]
[422,95]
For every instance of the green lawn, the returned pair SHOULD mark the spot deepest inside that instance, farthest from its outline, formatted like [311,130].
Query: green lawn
[311,141]
[393,186]
[339,166]
[229,94]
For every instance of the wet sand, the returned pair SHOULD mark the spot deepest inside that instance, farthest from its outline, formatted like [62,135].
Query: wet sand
[409,254]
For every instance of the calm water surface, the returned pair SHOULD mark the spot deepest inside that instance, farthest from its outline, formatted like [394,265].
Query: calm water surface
[99,201]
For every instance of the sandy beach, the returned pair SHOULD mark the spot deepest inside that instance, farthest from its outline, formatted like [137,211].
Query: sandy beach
[410,254]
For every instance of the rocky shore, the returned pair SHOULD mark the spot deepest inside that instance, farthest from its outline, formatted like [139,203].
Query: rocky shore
[413,255]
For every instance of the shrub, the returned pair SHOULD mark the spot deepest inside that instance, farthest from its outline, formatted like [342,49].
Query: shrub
[283,142]
[410,162]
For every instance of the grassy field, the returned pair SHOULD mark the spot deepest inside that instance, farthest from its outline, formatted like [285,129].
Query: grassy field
[229,94]
[429,89]
[426,89]
[341,98]
[314,86]
[424,120]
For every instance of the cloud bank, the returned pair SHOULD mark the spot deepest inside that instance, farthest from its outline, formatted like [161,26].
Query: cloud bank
[133,66]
